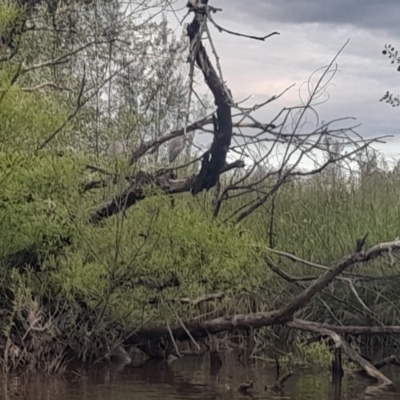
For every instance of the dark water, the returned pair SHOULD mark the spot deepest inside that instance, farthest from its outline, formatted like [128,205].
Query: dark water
[188,378]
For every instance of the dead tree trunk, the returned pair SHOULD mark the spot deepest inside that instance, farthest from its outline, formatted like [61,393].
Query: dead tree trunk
[214,159]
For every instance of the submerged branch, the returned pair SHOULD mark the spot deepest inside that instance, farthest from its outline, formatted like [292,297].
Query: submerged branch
[340,343]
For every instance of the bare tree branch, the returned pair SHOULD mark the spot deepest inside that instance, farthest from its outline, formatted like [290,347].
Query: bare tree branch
[165,181]
[221,29]
[340,343]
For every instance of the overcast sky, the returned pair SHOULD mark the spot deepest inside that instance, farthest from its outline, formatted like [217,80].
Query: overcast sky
[311,33]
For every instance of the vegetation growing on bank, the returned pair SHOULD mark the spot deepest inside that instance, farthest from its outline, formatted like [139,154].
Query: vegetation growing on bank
[90,280]
[71,288]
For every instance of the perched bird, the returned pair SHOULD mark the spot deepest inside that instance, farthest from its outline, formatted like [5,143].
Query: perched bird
[176,146]
[118,147]
[259,173]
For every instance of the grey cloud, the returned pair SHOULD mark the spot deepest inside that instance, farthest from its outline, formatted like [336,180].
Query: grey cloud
[368,14]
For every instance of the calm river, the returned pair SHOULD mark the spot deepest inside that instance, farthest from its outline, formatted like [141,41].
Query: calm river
[188,378]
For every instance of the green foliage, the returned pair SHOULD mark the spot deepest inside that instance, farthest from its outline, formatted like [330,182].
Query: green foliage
[81,271]
[156,243]
[36,188]
[41,203]
[105,265]
[36,194]
[8,13]
[26,119]
[316,353]
[393,56]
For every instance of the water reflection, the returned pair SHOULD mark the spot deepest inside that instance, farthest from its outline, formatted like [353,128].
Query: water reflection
[210,377]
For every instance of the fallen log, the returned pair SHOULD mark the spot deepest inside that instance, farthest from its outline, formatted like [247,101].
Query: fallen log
[261,319]
[148,336]
[241,321]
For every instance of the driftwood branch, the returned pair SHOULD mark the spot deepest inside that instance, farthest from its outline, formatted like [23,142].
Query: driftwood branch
[382,363]
[340,343]
[284,316]
[304,297]
[152,144]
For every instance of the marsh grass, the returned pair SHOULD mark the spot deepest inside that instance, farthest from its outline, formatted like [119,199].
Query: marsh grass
[319,220]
